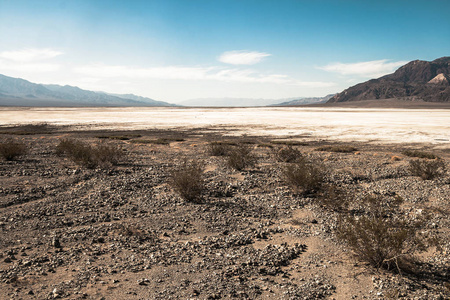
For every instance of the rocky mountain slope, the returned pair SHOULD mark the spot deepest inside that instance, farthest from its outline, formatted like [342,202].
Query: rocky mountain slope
[304,101]
[20,92]
[417,80]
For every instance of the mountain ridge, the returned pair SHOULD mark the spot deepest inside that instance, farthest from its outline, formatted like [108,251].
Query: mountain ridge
[249,102]
[21,92]
[415,81]
[305,101]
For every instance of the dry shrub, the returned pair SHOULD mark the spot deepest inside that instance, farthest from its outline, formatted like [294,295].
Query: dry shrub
[288,154]
[159,141]
[27,129]
[103,155]
[119,137]
[219,149]
[427,169]
[187,180]
[338,148]
[241,157]
[304,175]
[108,154]
[10,149]
[334,198]
[419,154]
[289,143]
[381,236]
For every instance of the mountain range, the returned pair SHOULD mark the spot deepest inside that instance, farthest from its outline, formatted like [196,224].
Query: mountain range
[418,80]
[246,102]
[305,101]
[20,92]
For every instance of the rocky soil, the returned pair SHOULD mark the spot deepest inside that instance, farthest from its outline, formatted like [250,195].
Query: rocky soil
[70,232]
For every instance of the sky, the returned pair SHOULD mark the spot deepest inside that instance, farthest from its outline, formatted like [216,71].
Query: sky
[174,50]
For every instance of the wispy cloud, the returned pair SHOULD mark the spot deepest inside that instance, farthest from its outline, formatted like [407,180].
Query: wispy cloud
[242,57]
[372,69]
[18,68]
[192,73]
[29,61]
[29,55]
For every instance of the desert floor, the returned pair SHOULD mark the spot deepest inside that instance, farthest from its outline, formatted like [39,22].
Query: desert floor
[122,232]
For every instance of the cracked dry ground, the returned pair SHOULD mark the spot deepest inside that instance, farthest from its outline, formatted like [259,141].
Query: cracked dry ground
[125,234]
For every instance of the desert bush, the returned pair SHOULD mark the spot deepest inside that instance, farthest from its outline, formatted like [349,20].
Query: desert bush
[108,154]
[419,154]
[381,236]
[334,198]
[10,149]
[241,157]
[304,175]
[288,154]
[288,143]
[219,149]
[427,169]
[119,137]
[103,155]
[65,146]
[159,141]
[27,129]
[187,180]
[337,148]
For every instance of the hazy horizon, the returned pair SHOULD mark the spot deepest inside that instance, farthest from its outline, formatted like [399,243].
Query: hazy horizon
[176,50]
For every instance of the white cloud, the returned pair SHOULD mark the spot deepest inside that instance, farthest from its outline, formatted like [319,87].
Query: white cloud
[242,57]
[27,61]
[29,55]
[17,67]
[192,73]
[372,69]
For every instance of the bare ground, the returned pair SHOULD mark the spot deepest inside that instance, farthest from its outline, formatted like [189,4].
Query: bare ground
[123,233]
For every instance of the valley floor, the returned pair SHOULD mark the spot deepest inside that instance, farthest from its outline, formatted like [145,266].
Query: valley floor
[71,232]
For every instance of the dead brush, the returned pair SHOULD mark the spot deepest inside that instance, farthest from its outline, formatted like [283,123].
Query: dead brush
[427,169]
[241,157]
[219,149]
[11,149]
[337,148]
[187,180]
[288,154]
[103,155]
[304,175]
[381,236]
[27,129]
[334,198]
[419,154]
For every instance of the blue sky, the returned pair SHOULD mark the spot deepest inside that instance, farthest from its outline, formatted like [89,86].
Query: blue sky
[173,50]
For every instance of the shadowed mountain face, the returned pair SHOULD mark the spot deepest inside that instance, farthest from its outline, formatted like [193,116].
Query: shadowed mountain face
[305,101]
[20,92]
[417,80]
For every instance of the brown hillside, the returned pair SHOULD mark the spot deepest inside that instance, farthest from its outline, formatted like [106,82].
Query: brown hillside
[417,80]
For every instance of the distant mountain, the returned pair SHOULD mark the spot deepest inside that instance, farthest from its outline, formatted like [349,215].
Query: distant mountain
[20,92]
[305,101]
[233,102]
[417,80]
[142,99]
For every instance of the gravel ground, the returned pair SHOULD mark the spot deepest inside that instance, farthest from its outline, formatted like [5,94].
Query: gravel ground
[122,232]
